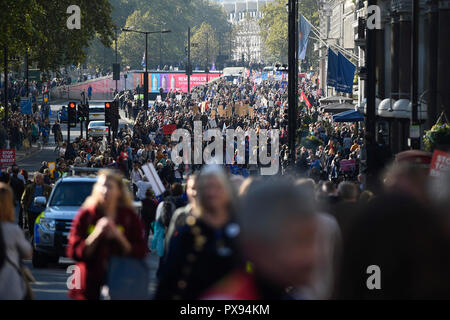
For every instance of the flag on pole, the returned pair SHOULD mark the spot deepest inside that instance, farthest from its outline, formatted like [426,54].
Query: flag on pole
[304,28]
[332,70]
[305,98]
[143,60]
[345,74]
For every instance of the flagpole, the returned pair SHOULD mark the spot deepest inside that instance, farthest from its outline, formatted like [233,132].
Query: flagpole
[319,35]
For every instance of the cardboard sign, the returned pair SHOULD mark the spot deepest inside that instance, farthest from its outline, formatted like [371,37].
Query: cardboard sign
[153,178]
[195,109]
[7,157]
[251,113]
[229,111]
[169,128]
[439,163]
[221,111]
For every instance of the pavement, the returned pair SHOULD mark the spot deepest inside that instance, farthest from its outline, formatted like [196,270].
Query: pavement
[24,153]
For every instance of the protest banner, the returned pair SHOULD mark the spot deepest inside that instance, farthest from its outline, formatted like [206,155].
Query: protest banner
[347,165]
[439,163]
[7,157]
[229,111]
[169,128]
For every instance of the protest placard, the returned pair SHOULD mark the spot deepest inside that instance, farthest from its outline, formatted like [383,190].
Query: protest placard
[439,163]
[153,178]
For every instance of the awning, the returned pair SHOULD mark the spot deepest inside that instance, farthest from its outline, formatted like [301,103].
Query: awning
[335,99]
[337,107]
[348,116]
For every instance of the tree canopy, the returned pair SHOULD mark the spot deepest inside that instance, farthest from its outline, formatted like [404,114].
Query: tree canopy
[40,27]
[174,15]
[274,29]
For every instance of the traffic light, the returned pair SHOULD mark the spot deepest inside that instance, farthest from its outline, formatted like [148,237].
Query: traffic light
[108,113]
[72,114]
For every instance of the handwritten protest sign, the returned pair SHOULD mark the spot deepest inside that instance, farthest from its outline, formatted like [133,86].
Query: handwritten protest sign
[439,163]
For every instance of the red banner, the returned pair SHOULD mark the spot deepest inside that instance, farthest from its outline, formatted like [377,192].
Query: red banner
[169,128]
[7,157]
[304,98]
[347,165]
[439,163]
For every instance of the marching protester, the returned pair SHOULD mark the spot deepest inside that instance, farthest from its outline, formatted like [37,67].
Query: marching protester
[15,248]
[36,189]
[105,226]
[202,251]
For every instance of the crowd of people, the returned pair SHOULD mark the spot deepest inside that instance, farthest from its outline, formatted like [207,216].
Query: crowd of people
[311,231]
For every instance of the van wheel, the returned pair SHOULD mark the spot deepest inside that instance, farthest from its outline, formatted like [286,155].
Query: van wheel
[39,260]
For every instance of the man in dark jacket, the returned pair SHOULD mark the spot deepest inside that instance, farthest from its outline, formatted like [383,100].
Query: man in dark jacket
[18,187]
[33,190]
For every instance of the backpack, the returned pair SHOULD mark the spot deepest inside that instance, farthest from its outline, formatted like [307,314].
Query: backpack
[168,209]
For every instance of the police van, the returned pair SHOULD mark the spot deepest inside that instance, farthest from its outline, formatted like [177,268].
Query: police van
[52,226]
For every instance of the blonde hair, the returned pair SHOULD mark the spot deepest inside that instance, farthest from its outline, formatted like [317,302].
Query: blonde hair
[6,199]
[124,201]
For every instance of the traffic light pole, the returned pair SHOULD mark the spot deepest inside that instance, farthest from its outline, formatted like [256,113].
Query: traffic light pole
[207,58]
[146,76]
[68,132]
[5,69]
[116,56]
[189,61]
[293,79]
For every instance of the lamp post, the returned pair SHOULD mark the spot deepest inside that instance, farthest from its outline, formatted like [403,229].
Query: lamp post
[146,68]
[293,77]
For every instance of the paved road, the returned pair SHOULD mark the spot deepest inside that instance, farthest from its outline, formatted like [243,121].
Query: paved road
[51,282]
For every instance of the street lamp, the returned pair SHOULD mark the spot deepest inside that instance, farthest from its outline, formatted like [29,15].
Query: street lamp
[146,68]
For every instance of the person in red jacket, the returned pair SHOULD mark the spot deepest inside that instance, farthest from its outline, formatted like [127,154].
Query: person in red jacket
[105,226]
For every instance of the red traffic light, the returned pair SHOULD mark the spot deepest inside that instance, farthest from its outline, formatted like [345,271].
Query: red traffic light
[72,105]
[107,105]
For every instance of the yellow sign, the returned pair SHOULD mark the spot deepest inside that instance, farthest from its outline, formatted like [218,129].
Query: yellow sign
[51,168]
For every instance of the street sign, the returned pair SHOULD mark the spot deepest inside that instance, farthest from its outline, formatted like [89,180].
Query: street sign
[414,131]
[7,157]
[34,75]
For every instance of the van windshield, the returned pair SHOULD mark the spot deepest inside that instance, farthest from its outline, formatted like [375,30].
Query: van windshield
[71,194]
[96,110]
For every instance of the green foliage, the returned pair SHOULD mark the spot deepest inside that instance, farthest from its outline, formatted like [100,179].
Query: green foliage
[311,142]
[177,16]
[41,27]
[274,29]
[204,46]
[438,136]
